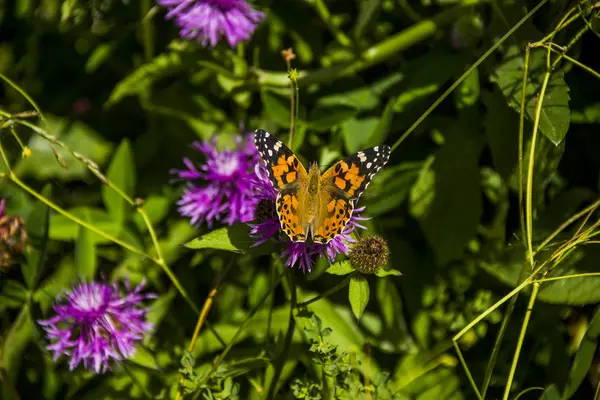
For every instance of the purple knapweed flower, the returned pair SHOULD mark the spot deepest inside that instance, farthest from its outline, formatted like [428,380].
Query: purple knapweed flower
[221,188]
[97,322]
[209,20]
[267,227]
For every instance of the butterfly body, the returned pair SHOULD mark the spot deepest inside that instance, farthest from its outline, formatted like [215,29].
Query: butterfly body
[311,204]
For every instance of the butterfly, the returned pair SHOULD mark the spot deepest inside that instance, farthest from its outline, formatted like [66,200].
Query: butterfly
[311,204]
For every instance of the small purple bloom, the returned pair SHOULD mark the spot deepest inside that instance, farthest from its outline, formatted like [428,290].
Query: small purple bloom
[208,20]
[96,323]
[220,189]
[300,253]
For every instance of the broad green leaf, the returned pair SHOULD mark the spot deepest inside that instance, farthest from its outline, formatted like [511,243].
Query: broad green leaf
[63,228]
[235,238]
[100,55]
[258,289]
[15,341]
[37,228]
[358,294]
[325,117]
[74,134]
[121,172]
[547,158]
[341,268]
[12,294]
[451,219]
[143,77]
[555,114]
[144,358]
[415,379]
[574,291]
[276,107]
[467,93]
[379,135]
[382,273]
[427,77]
[502,131]
[422,192]
[583,358]
[355,132]
[361,98]
[391,187]
[85,255]
[392,313]
[551,393]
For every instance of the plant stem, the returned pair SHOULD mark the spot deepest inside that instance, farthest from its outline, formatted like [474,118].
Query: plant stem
[203,315]
[375,54]
[522,144]
[511,375]
[466,74]
[325,15]
[288,338]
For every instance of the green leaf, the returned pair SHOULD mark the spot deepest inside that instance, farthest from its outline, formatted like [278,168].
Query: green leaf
[467,93]
[583,358]
[382,273]
[502,131]
[63,228]
[391,187]
[159,309]
[358,294]
[13,294]
[341,268]
[378,135]
[422,192]
[551,393]
[392,313]
[325,117]
[37,228]
[451,219]
[258,289]
[574,291]
[100,55]
[121,173]
[361,98]
[276,108]
[15,341]
[85,254]
[555,113]
[427,77]
[141,79]
[235,238]
[353,132]
[145,358]
[156,207]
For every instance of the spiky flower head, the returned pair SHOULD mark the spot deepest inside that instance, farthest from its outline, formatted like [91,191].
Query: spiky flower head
[209,20]
[369,254]
[13,237]
[220,188]
[96,323]
[266,227]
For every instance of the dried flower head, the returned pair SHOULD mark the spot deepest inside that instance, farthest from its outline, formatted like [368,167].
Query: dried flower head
[97,322]
[13,237]
[209,20]
[369,254]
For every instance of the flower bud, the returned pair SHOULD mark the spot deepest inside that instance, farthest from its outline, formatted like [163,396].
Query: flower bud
[369,254]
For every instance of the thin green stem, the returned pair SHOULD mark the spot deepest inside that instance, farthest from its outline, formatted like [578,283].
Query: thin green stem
[529,192]
[328,292]
[559,278]
[147,30]
[466,74]
[496,350]
[522,143]
[288,338]
[374,55]
[513,368]
[27,97]
[466,368]
[325,15]
[234,339]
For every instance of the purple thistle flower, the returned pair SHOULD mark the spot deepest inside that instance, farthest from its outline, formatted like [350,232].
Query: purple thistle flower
[96,323]
[208,20]
[220,189]
[299,253]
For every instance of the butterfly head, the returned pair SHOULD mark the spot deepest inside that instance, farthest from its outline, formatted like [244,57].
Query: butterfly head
[314,178]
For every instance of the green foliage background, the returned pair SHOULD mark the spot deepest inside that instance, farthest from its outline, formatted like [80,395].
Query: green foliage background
[117,86]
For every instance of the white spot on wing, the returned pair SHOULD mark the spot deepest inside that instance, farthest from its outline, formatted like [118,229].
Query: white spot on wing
[369,164]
